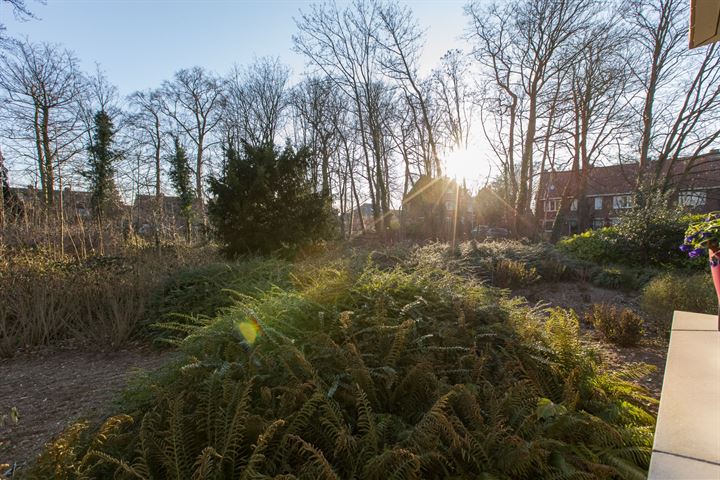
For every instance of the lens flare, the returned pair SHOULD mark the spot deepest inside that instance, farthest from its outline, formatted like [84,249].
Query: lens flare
[249,329]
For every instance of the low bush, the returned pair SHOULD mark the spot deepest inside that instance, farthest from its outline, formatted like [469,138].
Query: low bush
[670,292]
[620,277]
[410,373]
[547,262]
[513,274]
[603,245]
[622,327]
[204,290]
[648,236]
[97,302]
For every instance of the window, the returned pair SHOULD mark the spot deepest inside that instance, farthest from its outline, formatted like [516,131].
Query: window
[573,227]
[574,205]
[552,205]
[690,198]
[598,223]
[622,201]
[598,203]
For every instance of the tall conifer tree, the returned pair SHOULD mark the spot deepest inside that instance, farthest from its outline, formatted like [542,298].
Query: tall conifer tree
[180,179]
[101,163]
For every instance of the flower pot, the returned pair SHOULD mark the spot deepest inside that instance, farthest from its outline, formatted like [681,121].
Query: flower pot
[715,271]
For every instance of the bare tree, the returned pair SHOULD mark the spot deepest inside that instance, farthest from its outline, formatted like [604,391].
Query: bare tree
[342,45]
[597,106]
[454,97]
[400,39]
[193,100]
[3,185]
[660,36]
[147,121]
[523,47]
[679,90]
[256,100]
[41,87]
[319,114]
[20,11]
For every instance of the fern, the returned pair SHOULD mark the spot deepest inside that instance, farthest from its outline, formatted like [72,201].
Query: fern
[316,461]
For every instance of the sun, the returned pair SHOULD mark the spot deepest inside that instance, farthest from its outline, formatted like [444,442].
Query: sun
[463,164]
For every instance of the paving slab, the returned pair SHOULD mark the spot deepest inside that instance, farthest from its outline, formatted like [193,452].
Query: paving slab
[694,321]
[687,435]
[671,467]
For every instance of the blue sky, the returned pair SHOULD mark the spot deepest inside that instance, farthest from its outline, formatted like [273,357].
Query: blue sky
[140,43]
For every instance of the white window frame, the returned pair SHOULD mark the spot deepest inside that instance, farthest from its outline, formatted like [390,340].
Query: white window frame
[598,205]
[621,202]
[552,205]
[692,198]
[574,205]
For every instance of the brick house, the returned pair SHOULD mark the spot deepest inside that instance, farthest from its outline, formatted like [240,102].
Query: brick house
[429,209]
[611,189]
[76,203]
[165,212]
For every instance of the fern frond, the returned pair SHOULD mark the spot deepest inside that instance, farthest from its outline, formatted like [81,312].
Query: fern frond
[321,468]
[257,458]
[121,464]
[396,464]
[207,464]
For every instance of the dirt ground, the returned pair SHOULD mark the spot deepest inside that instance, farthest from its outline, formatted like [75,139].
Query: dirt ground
[580,296]
[52,388]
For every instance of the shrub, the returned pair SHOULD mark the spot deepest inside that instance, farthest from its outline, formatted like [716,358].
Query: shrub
[624,327]
[548,263]
[670,292]
[513,274]
[414,373]
[264,202]
[645,236]
[603,245]
[100,302]
[205,290]
[90,306]
[621,277]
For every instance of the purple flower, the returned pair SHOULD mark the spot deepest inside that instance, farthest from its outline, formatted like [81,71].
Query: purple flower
[705,235]
[696,253]
[685,248]
[689,239]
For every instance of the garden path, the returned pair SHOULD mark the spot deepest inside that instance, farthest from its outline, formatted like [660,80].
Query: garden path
[52,388]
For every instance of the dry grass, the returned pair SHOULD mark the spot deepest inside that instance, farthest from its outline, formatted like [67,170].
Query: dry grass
[47,300]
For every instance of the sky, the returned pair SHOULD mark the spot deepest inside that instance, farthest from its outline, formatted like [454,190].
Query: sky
[140,43]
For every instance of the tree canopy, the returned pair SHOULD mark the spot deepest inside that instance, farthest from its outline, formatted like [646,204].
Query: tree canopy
[264,201]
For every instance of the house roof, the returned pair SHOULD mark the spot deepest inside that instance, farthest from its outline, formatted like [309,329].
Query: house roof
[69,196]
[170,203]
[686,173]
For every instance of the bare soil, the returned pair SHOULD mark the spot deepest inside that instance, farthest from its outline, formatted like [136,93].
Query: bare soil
[580,296]
[53,388]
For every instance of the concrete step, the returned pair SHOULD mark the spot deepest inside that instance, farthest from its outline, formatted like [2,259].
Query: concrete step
[687,435]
